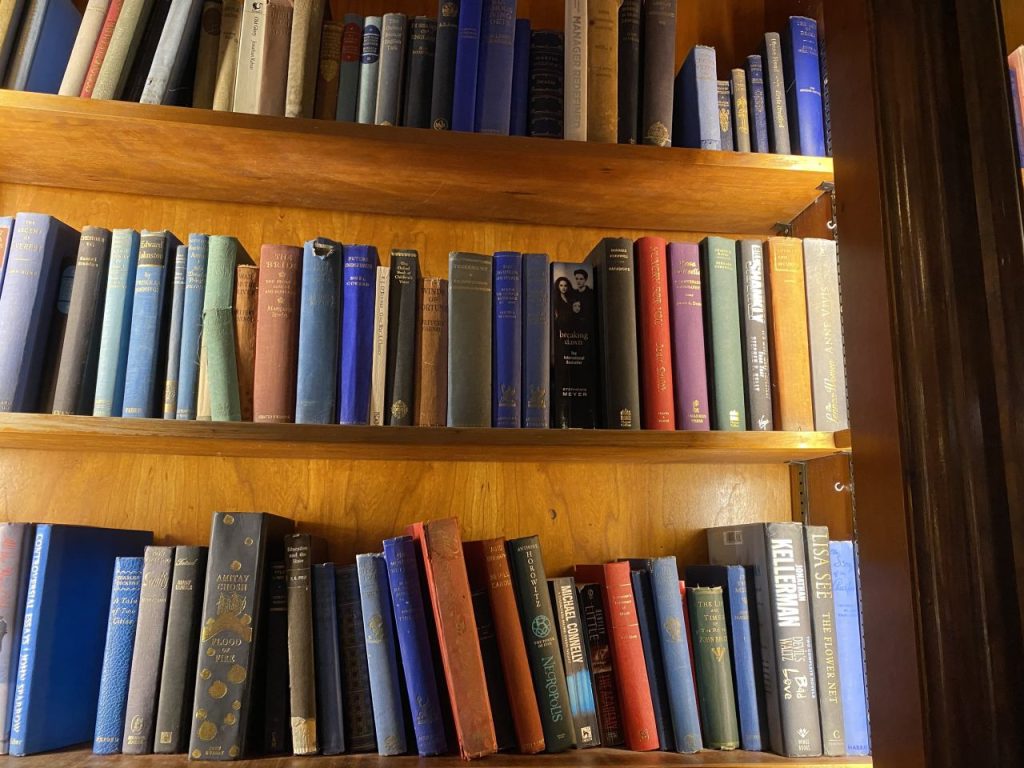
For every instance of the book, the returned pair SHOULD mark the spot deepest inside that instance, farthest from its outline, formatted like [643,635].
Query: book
[380,345]
[58,326]
[301,550]
[574,94]
[234,614]
[93,16]
[756,102]
[659,51]
[714,677]
[497,690]
[431,380]
[392,67]
[403,318]
[369,70]
[536,338]
[825,332]
[10,18]
[360,735]
[419,72]
[614,283]
[546,109]
[251,47]
[359,279]
[754,332]
[722,323]
[725,115]
[45,39]
[802,70]
[244,308]
[117,656]
[205,76]
[166,76]
[16,540]
[605,696]
[493,113]
[328,662]
[469,339]
[689,362]
[227,55]
[142,60]
[325,105]
[218,338]
[507,372]
[603,70]
[740,111]
[303,51]
[629,71]
[277,724]
[173,367]
[467,59]
[277,334]
[520,115]
[775,94]
[446,41]
[62,643]
[849,646]
[319,332]
[122,49]
[826,661]
[116,328]
[6,226]
[344,52]
[272,90]
[181,646]
[99,52]
[579,684]
[655,342]
[574,349]
[191,325]
[147,652]
[526,566]
[788,345]
[643,597]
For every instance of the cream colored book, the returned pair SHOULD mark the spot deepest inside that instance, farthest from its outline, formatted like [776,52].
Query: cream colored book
[303,56]
[227,55]
[380,346]
[124,44]
[85,43]
[249,70]
[575,104]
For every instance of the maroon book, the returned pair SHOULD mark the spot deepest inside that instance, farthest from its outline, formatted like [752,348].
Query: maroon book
[277,334]
[689,365]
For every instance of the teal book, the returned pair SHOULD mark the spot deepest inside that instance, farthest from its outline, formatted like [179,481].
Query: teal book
[724,347]
[117,318]
[219,329]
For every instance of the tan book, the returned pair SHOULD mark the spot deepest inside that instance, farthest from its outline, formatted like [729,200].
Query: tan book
[124,43]
[432,354]
[246,302]
[575,75]
[276,44]
[307,23]
[227,55]
[788,345]
[378,369]
[206,57]
[85,43]
[603,70]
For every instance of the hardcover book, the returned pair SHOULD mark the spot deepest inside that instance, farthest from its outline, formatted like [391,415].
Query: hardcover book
[301,550]
[722,323]
[725,115]
[803,86]
[520,119]
[826,660]
[467,59]
[740,111]
[506,403]
[325,105]
[403,318]
[493,112]
[754,328]
[629,71]
[360,735]
[307,21]
[173,367]
[546,110]
[227,55]
[58,326]
[273,85]
[125,41]
[606,698]
[380,345]
[574,349]
[659,60]
[603,70]
[138,66]
[218,339]
[81,52]
[359,275]
[825,329]
[191,324]
[431,401]
[45,39]
[536,298]
[643,597]
[277,334]
[689,360]
[116,329]
[277,725]
[392,67]
[775,94]
[579,683]
[849,646]
[16,540]
[6,225]
[469,339]
[656,379]
[497,690]
[444,65]
[347,92]
[327,647]
[166,75]
[205,79]
[251,49]
[788,345]
[714,677]
[369,70]
[574,124]
[319,326]
[419,72]
[758,107]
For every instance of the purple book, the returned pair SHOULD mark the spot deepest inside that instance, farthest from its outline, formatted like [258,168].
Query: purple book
[689,368]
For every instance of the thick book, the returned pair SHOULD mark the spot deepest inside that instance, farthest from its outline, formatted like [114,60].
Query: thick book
[360,735]
[506,402]
[117,323]
[117,656]
[330,705]
[431,380]
[369,70]
[181,645]
[16,540]
[493,111]
[45,39]
[754,330]
[177,302]
[826,661]
[536,362]
[740,111]
[147,652]
[452,604]
[277,725]
[359,281]
[603,70]
[205,76]
[123,48]
[392,69]
[139,65]
[696,119]
[244,310]
[725,115]
[403,319]
[712,659]
[76,377]
[689,361]
[166,76]
[272,93]
[546,113]
[775,94]
[347,68]
[414,643]
[849,646]
[614,282]
[467,60]
[218,339]
[757,105]
[469,339]
[251,47]
[227,55]
[606,698]
[325,106]
[62,644]
[825,331]
[497,690]
[191,326]
[319,332]
[724,344]
[378,358]
[643,597]
[419,72]
[242,544]
[85,43]
[442,87]
[574,93]
[277,334]
[520,117]
[629,71]
[574,347]
[789,349]
[300,551]
[655,358]
[99,51]
[802,69]
[576,658]
[659,60]
[303,51]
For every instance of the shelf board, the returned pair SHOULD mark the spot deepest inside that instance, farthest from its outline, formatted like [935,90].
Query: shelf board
[110,146]
[26,431]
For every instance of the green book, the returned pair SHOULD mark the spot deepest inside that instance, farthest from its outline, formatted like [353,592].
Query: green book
[724,347]
[713,665]
[222,374]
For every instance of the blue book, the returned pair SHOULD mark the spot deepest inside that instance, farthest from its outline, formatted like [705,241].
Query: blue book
[803,87]
[508,340]
[148,314]
[675,647]
[576,657]
[849,646]
[520,120]
[381,659]
[117,655]
[695,120]
[39,245]
[44,46]
[6,232]
[192,326]
[467,56]
[62,646]
[756,105]
[359,280]
[330,707]
[643,595]
[414,644]
[117,318]
[536,403]
[174,335]
[1018,124]
[494,75]
[319,326]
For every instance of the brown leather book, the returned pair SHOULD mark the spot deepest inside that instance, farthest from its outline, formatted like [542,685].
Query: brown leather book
[432,354]
[246,300]
[788,344]
[326,105]
[487,564]
[277,334]
[277,41]
[603,70]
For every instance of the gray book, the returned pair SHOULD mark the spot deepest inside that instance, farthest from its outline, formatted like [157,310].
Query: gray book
[825,332]
[775,95]
[826,657]
[348,74]
[754,329]
[369,68]
[172,52]
[392,67]
[740,112]
[469,340]
[16,541]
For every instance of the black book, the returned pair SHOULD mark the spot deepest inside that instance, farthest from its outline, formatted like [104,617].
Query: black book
[58,325]
[643,596]
[181,643]
[360,732]
[419,72]
[497,690]
[659,62]
[629,71]
[135,84]
[574,380]
[301,551]
[403,311]
[147,655]
[442,91]
[469,340]
[76,377]
[754,331]
[612,260]
[606,696]
[547,73]
[277,730]
[575,656]
[330,707]
[391,69]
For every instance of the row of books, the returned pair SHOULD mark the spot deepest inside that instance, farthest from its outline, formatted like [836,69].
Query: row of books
[261,644]
[722,335]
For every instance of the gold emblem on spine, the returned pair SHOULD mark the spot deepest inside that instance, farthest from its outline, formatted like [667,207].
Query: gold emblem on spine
[625,418]
[723,119]
[207,731]
[231,617]
[217,689]
[375,632]
[196,754]
[674,630]
[399,410]
[206,674]
[236,705]
[538,398]
[236,674]
[229,520]
[235,565]
[508,396]
[233,751]
[658,134]
[248,541]
[200,714]
[719,654]
[230,719]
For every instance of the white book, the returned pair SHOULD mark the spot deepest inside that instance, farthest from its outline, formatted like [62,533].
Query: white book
[172,51]
[85,43]
[575,117]
[380,346]
[249,71]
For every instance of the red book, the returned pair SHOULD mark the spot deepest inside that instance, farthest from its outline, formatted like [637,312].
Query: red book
[277,334]
[657,403]
[627,651]
[100,51]
[450,597]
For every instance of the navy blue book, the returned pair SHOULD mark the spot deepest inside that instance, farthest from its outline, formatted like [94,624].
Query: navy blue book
[329,703]
[725,115]
[117,323]
[156,254]
[39,244]
[381,658]
[695,120]
[494,73]
[359,280]
[849,640]
[117,655]
[355,677]
[536,401]
[63,642]
[444,64]
[319,326]
[508,340]
[643,594]
[1018,122]
[756,105]
[414,644]
[803,87]
[467,58]
[520,121]
[192,326]
[174,335]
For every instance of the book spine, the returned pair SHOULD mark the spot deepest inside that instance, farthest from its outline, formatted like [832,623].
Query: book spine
[659,50]
[849,640]
[163,81]
[722,319]
[205,80]
[181,644]
[1018,118]
[347,72]
[656,380]
[99,51]
[227,55]
[742,635]
[277,727]
[359,280]
[222,379]
[605,696]
[574,125]
[302,682]
[392,68]
[546,110]
[775,93]
[85,43]
[251,48]
[689,363]
[330,705]
[696,119]
[123,49]
[273,82]
[467,58]
[245,308]
[497,690]
[629,71]
[303,52]
[520,115]
[116,328]
[469,340]
[6,227]
[789,349]
[385,687]
[714,676]
[419,74]
[380,345]
[574,375]
[369,70]
[360,735]
[431,397]
[319,325]
[740,112]
[170,405]
[826,661]
[536,341]
[754,328]
[602,70]
[30,638]
[328,82]
[16,540]
[578,681]
[803,87]
[508,339]
[493,112]
[756,102]
[139,64]
[643,596]
[191,325]
[403,314]
[54,346]
[277,334]
[725,115]
[444,65]
[147,317]
[825,330]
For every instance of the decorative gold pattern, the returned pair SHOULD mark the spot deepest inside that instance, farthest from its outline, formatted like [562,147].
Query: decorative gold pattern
[230,618]
[229,520]
[375,629]
[674,630]
[235,565]
[233,751]
[236,674]
[399,409]
[218,689]
[248,541]
[207,731]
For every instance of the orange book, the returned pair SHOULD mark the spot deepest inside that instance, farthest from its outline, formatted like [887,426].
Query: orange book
[788,345]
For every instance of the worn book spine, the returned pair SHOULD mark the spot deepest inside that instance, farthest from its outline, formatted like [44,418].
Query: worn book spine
[656,375]
[330,704]
[823,618]
[16,540]
[139,65]
[325,106]
[740,112]
[392,69]
[380,345]
[775,94]
[574,126]
[227,55]
[444,65]
[849,645]
[695,119]
[789,349]
[579,684]
[603,70]
[116,329]
[355,375]
[302,682]
[122,49]
[277,727]
[725,115]
[628,87]
[467,59]
[754,329]
[825,330]
[419,72]
[100,48]
[497,690]
[85,43]
[273,81]
[754,69]
[347,70]
[191,325]
[303,54]
[403,318]
[173,368]
[493,112]
[469,340]
[546,111]
[360,735]
[163,82]
[506,404]
[277,334]
[802,68]
[606,698]
[319,337]
[689,362]
[722,321]
[659,50]
[431,398]
[520,116]
[369,70]
[58,326]
[643,596]
[244,308]
[714,676]
[218,398]
[181,645]
[536,362]
[205,76]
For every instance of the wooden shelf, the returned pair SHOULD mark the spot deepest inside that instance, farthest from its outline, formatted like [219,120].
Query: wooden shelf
[206,438]
[109,146]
